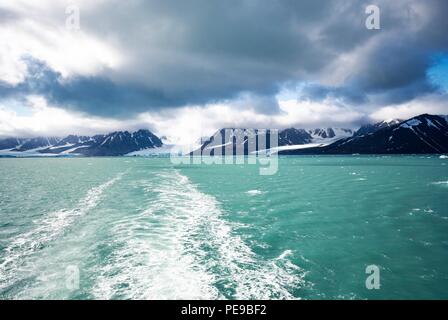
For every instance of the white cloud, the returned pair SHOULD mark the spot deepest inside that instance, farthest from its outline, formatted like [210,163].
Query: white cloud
[432,104]
[44,120]
[185,125]
[188,124]
[308,113]
[37,29]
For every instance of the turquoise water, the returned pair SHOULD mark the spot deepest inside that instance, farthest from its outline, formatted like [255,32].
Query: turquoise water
[143,228]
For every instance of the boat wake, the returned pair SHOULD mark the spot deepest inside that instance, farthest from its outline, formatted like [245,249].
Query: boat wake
[181,247]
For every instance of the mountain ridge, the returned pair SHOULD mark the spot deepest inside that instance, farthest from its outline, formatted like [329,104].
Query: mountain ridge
[116,143]
[422,134]
[248,140]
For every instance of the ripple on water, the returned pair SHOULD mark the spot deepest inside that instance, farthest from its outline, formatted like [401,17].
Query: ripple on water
[45,231]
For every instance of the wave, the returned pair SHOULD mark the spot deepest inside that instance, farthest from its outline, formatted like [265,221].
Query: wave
[46,230]
[443,183]
[180,247]
[254,192]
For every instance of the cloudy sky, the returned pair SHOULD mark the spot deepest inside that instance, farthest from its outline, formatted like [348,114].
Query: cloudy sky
[186,68]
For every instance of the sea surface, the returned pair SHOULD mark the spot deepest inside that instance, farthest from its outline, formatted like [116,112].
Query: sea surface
[144,228]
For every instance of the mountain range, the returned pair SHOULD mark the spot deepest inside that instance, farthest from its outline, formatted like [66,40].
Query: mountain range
[113,144]
[243,141]
[421,134]
[418,135]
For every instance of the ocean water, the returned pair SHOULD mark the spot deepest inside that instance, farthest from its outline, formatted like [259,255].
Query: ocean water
[144,228]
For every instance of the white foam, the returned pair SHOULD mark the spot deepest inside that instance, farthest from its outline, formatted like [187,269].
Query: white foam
[284,254]
[254,192]
[46,230]
[440,182]
[189,252]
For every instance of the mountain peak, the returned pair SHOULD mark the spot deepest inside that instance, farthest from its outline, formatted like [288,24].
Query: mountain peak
[372,128]
[391,121]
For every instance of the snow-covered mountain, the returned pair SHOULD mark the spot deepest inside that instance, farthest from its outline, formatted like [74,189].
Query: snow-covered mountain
[422,134]
[18,144]
[10,143]
[419,135]
[112,144]
[241,140]
[293,136]
[330,133]
[371,128]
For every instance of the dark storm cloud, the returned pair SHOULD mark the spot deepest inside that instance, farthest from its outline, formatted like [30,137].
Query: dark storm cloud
[194,52]
[394,69]
[95,95]
[345,95]
[6,16]
[401,59]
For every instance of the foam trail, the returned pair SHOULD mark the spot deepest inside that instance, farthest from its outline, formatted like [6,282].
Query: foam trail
[154,264]
[47,229]
[189,252]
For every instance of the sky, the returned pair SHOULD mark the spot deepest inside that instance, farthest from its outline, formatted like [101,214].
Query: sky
[184,69]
